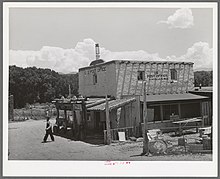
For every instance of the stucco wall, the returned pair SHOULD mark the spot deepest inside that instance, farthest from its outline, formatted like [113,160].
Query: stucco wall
[106,80]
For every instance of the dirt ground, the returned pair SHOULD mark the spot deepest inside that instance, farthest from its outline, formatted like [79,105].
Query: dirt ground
[25,144]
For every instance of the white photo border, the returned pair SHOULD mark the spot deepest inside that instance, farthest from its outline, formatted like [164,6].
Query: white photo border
[97,168]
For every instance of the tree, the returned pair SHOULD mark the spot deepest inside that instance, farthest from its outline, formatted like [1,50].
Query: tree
[30,85]
[203,77]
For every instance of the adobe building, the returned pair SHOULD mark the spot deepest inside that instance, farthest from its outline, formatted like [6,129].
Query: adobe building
[167,88]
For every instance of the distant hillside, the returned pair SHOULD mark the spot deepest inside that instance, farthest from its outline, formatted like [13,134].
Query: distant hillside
[30,85]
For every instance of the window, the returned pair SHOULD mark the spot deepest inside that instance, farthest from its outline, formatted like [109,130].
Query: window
[169,110]
[94,78]
[153,113]
[141,75]
[173,73]
[189,110]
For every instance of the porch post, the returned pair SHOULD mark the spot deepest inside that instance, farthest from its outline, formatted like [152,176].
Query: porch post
[145,141]
[108,140]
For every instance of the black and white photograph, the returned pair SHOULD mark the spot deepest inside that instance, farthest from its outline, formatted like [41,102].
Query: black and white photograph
[127,89]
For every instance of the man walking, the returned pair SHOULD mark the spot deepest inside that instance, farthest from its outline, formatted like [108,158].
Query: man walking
[48,128]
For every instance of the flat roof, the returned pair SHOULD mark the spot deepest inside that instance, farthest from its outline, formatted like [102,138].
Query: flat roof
[136,61]
[172,97]
[204,89]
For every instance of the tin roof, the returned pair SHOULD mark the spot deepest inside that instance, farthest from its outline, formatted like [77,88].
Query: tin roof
[172,97]
[112,104]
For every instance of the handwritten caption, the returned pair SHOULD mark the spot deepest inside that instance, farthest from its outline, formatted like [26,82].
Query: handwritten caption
[117,163]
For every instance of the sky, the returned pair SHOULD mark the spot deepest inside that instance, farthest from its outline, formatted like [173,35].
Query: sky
[63,39]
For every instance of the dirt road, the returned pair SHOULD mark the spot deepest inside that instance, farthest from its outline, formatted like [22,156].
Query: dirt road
[25,144]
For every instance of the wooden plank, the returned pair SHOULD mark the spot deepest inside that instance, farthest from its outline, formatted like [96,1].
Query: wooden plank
[161,79]
[148,85]
[168,70]
[184,70]
[138,109]
[108,141]
[145,141]
[137,79]
[144,78]
[118,73]
[187,121]
[178,79]
[187,86]
[155,81]
[132,66]
[123,82]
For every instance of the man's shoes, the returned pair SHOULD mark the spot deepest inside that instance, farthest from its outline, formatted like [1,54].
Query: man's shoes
[43,142]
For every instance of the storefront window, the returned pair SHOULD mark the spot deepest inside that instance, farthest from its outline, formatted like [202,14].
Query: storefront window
[189,110]
[154,113]
[169,110]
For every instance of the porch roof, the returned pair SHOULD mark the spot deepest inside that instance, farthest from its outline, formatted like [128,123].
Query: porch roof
[172,97]
[112,104]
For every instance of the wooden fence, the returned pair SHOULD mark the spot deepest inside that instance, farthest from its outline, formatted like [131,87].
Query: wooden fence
[33,113]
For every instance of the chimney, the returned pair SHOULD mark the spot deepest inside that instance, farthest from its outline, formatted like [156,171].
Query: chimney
[97,51]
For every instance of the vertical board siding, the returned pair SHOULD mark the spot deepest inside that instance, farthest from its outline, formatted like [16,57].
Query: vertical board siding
[162,68]
[127,78]
[155,81]
[191,79]
[142,85]
[120,79]
[118,67]
[187,82]
[178,78]
[136,86]
[148,72]
[168,71]
[181,80]
[123,81]
[139,84]
[164,82]
[134,78]
[128,84]
[150,85]
[131,73]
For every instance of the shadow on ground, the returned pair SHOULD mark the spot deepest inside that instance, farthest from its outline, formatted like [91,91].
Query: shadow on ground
[95,139]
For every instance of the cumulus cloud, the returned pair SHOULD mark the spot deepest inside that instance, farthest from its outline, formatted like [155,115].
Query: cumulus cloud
[200,54]
[182,18]
[70,60]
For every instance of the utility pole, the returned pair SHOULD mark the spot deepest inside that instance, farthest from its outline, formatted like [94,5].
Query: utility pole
[145,141]
[108,141]
[69,91]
